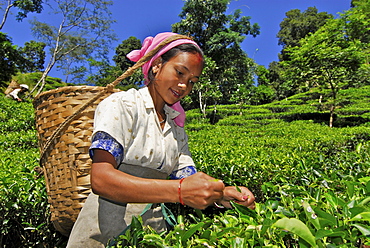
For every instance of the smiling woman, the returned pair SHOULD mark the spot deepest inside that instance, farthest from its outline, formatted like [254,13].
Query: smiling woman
[139,141]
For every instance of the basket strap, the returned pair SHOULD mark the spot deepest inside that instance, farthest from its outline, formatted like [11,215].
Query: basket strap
[109,88]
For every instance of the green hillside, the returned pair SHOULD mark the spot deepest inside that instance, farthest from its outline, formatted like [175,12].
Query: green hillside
[312,182]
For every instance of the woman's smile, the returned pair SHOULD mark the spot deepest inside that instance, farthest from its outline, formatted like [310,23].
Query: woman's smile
[175,93]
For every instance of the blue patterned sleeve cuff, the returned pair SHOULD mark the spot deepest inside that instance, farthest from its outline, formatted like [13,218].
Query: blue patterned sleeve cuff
[102,140]
[184,172]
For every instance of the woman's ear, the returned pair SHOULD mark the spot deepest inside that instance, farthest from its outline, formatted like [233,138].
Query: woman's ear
[157,64]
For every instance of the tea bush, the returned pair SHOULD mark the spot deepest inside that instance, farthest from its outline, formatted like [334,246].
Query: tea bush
[318,217]
[312,182]
[24,210]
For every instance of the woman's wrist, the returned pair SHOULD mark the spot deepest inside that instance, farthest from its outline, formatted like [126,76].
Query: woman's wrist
[179,193]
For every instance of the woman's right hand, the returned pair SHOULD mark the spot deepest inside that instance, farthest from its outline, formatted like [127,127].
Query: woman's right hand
[200,190]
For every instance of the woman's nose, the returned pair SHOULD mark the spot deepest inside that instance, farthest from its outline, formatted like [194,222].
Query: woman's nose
[183,85]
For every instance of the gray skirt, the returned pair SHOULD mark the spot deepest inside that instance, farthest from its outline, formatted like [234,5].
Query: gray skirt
[101,220]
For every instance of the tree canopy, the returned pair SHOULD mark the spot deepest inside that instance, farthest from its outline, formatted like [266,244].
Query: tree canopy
[220,36]
[14,59]
[34,54]
[297,25]
[317,50]
[24,7]
[9,59]
[83,33]
[335,56]
[293,29]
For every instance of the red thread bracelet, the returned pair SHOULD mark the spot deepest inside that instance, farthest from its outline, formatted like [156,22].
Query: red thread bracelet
[179,191]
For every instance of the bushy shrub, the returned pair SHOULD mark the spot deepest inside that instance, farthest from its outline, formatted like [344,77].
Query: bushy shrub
[24,209]
[311,182]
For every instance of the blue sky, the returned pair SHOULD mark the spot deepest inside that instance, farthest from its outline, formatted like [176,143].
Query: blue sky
[141,18]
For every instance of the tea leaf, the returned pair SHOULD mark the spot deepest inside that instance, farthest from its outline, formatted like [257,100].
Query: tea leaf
[363,217]
[297,227]
[243,210]
[365,230]
[191,231]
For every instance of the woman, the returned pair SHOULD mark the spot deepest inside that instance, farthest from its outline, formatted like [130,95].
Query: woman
[139,142]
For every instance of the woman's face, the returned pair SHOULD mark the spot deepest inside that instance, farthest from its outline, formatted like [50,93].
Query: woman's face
[174,80]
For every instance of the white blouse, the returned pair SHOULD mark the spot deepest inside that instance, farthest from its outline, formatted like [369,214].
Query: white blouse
[130,118]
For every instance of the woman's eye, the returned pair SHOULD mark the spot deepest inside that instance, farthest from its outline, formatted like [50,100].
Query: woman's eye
[179,72]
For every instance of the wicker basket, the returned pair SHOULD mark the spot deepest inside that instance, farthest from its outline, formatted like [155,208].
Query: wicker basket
[12,86]
[66,162]
[64,121]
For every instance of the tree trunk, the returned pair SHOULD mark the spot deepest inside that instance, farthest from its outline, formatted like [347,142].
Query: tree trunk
[334,91]
[201,106]
[331,119]
[42,80]
[333,106]
[6,14]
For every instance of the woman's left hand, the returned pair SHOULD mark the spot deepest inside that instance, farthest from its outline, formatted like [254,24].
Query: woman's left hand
[231,193]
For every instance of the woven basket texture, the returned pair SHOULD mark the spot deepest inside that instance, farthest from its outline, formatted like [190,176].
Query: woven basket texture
[66,161]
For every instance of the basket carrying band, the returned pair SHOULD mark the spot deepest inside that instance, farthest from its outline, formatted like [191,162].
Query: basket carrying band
[109,88]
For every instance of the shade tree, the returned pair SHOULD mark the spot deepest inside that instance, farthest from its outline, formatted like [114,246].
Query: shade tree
[24,7]
[78,31]
[332,57]
[297,25]
[220,36]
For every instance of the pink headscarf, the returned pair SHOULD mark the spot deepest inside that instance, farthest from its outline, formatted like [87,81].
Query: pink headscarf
[149,44]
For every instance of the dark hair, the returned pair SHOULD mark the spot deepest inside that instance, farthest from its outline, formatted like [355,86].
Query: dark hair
[185,48]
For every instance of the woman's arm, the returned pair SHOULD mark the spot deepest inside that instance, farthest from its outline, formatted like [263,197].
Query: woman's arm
[197,191]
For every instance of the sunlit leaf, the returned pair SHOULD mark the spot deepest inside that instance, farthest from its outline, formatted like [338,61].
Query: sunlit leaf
[361,217]
[243,209]
[311,215]
[365,230]
[298,228]
[191,231]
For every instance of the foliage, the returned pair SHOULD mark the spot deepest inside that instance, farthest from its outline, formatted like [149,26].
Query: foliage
[128,45]
[34,54]
[9,60]
[30,58]
[83,33]
[262,94]
[124,63]
[206,91]
[297,26]
[31,80]
[300,219]
[24,8]
[220,36]
[25,220]
[330,57]
[311,181]
[275,80]
[106,74]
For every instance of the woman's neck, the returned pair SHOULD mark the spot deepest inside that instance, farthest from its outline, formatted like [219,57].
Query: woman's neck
[157,99]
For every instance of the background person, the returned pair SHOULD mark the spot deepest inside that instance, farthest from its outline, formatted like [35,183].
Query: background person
[18,93]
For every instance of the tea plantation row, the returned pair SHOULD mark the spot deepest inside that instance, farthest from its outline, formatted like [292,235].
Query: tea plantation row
[312,182]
